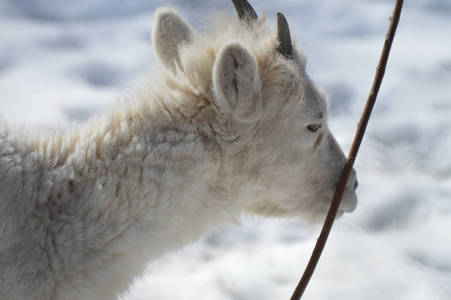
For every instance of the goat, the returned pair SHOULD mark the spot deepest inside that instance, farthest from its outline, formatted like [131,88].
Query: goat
[231,125]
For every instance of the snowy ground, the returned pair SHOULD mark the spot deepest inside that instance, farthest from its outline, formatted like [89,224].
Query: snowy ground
[62,61]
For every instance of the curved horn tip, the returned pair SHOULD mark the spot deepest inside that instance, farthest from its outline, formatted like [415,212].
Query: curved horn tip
[245,10]
[284,37]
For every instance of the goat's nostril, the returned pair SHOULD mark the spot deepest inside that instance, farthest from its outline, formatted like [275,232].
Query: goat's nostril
[356,184]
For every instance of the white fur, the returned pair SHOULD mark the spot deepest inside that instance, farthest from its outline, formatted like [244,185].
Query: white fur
[222,130]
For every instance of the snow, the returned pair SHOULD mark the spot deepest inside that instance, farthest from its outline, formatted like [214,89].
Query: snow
[63,61]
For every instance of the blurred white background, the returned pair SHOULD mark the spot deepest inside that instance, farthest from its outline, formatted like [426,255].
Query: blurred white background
[62,61]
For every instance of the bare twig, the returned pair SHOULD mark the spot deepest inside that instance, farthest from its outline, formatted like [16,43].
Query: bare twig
[341,186]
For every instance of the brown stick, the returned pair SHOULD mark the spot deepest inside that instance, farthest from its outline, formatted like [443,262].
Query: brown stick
[341,186]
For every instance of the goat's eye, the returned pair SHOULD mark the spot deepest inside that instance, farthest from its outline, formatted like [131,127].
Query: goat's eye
[314,127]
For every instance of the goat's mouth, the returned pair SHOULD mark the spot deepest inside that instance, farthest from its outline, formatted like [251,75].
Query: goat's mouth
[348,205]
[349,202]
[341,212]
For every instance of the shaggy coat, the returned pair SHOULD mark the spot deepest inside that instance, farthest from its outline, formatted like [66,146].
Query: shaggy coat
[229,125]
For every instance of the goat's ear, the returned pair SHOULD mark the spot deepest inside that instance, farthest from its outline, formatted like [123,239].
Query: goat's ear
[237,83]
[170,32]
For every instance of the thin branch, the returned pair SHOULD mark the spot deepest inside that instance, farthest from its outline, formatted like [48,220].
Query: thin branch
[341,186]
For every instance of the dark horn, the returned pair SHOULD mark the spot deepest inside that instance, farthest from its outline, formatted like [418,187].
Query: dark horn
[245,10]
[283,35]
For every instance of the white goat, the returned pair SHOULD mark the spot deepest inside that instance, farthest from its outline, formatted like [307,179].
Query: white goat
[232,124]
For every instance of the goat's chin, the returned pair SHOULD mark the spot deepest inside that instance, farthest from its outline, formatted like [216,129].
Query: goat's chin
[317,213]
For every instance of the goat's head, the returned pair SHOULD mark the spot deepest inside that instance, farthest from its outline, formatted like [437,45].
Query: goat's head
[271,118]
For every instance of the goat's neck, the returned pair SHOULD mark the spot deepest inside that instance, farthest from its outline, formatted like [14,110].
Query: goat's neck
[112,197]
